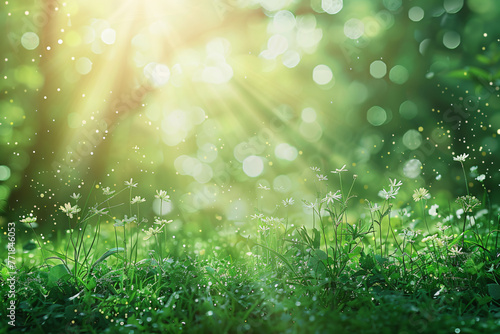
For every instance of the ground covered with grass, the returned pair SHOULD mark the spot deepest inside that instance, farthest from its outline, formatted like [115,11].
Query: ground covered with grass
[374,275]
[233,298]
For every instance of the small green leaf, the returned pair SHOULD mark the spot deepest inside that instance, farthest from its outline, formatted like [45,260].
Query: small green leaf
[494,291]
[107,254]
[92,284]
[458,74]
[57,273]
[210,270]
[305,236]
[321,255]
[317,238]
[480,73]
[355,252]
[366,261]
[481,300]
[5,273]
[483,59]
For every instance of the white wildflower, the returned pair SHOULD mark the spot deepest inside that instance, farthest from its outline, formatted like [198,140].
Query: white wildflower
[160,221]
[460,157]
[162,195]
[373,207]
[419,194]
[430,238]
[76,197]
[336,171]
[152,232]
[331,197]
[433,210]
[137,199]
[388,194]
[130,183]
[263,187]
[28,220]
[125,220]
[309,205]
[107,192]
[70,210]
[322,177]
[395,183]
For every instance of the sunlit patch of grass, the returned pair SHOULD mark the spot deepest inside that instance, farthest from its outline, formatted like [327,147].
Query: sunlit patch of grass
[331,274]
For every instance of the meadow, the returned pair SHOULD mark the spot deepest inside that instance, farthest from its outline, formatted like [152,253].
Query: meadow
[378,274]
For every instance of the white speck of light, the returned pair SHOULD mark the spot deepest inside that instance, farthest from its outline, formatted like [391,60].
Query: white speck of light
[399,74]
[30,40]
[451,39]
[308,115]
[354,28]
[291,59]
[378,69]
[376,116]
[83,65]
[277,44]
[283,21]
[412,168]
[108,36]
[322,74]
[286,152]
[253,166]
[453,6]
[158,74]
[332,6]
[416,14]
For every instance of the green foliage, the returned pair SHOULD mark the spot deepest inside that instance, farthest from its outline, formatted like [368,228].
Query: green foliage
[236,107]
[278,273]
[57,273]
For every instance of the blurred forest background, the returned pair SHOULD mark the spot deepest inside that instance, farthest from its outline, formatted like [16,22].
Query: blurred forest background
[210,99]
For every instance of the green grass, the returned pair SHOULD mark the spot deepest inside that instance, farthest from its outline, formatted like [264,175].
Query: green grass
[376,274]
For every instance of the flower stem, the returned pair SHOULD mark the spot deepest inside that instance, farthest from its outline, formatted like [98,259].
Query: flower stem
[465,177]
